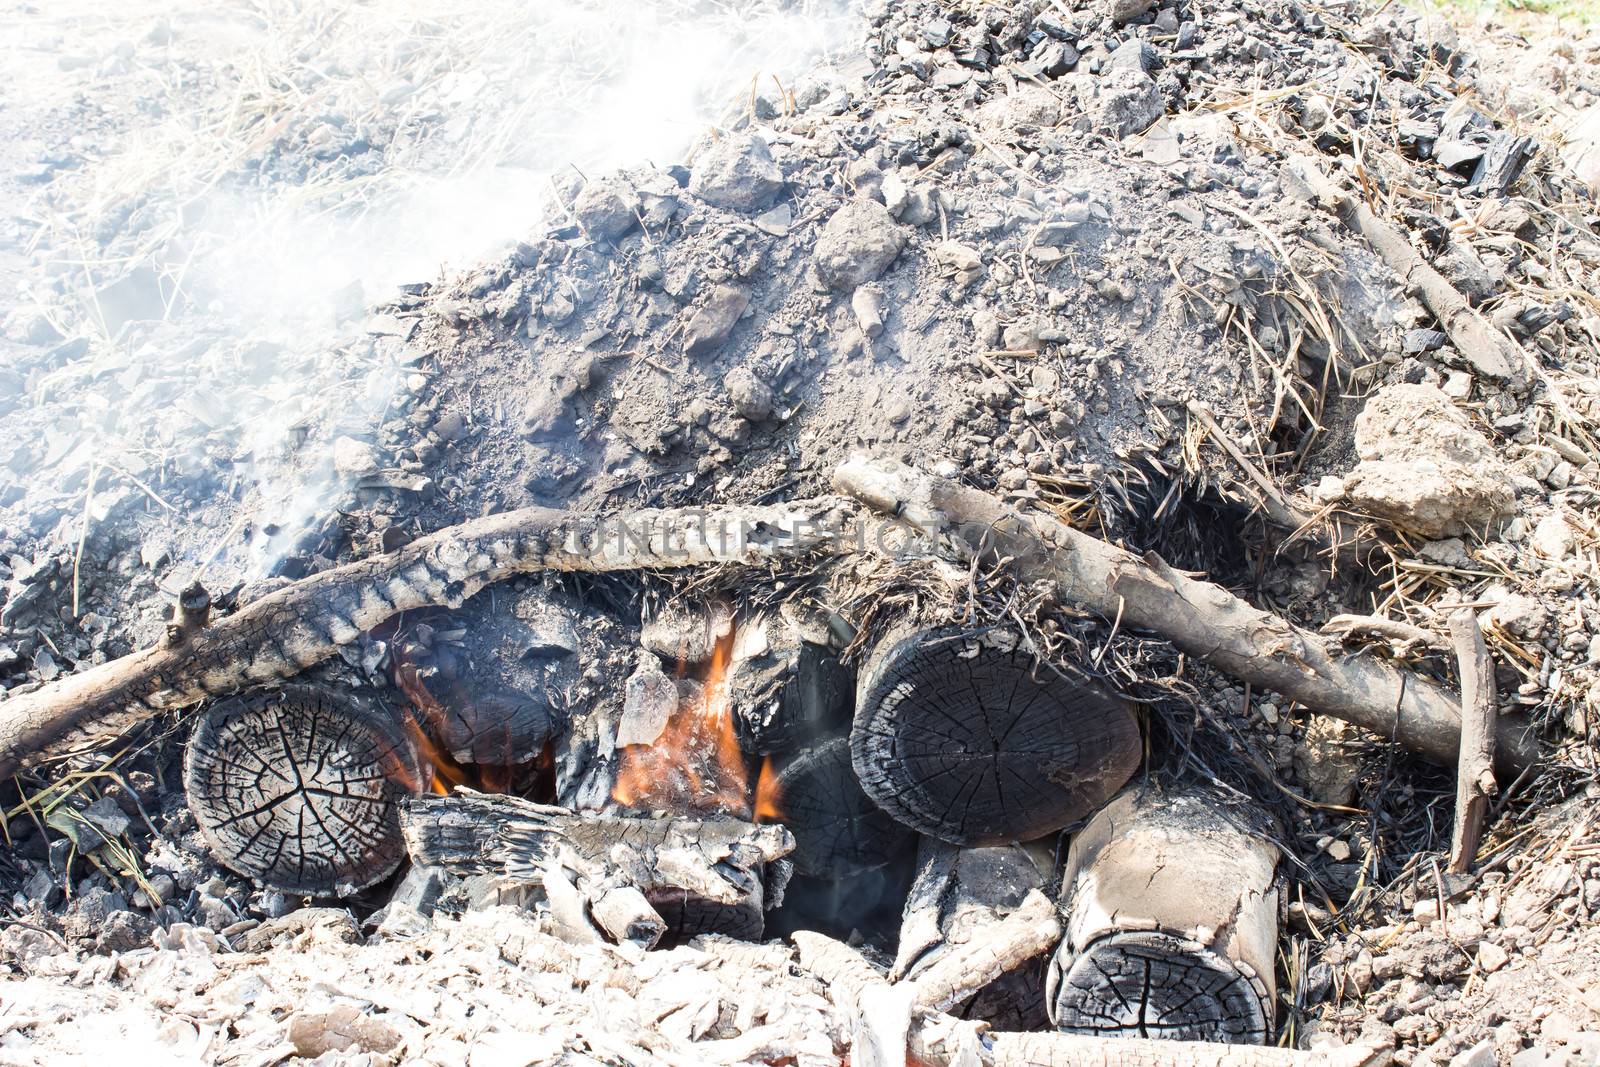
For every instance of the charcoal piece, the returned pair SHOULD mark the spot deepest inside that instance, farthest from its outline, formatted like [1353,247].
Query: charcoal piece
[298,789]
[965,737]
[838,830]
[786,686]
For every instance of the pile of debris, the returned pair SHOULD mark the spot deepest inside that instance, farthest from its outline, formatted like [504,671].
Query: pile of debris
[1298,298]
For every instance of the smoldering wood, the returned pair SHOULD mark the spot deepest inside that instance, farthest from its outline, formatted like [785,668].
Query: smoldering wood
[1198,617]
[786,686]
[299,789]
[965,736]
[1475,771]
[701,875]
[1171,913]
[838,830]
[957,900]
[1490,353]
[308,621]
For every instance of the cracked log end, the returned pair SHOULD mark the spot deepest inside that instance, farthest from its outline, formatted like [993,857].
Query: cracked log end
[1151,984]
[966,738]
[298,789]
[1171,908]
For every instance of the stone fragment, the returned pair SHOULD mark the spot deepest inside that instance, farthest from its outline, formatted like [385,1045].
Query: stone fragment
[353,458]
[1554,538]
[751,397]
[1120,102]
[738,173]
[857,244]
[1491,957]
[649,698]
[710,323]
[1325,761]
[606,208]
[1425,468]
[339,1029]
[1125,11]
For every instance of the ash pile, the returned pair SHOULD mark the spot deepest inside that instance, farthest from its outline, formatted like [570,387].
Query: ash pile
[1205,651]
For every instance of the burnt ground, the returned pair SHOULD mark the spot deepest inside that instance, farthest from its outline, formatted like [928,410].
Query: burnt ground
[1072,224]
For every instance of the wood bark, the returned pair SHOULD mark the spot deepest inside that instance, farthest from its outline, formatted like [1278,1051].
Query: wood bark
[299,789]
[701,875]
[1171,924]
[282,634]
[964,736]
[958,899]
[1198,617]
[1490,353]
[838,830]
[1475,771]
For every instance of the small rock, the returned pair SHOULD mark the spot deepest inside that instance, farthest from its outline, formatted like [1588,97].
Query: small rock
[1491,957]
[737,173]
[752,399]
[1325,762]
[1125,11]
[1121,101]
[679,633]
[1479,1055]
[1554,538]
[1450,552]
[123,931]
[354,459]
[606,209]
[857,244]
[340,1028]
[710,323]
[1424,467]
[1518,615]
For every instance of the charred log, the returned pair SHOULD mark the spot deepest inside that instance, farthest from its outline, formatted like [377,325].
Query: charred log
[308,621]
[786,686]
[959,898]
[966,737]
[299,789]
[1171,924]
[838,830]
[711,875]
[1204,620]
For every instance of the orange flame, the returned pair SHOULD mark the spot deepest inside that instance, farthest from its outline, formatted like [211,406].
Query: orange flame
[769,796]
[695,764]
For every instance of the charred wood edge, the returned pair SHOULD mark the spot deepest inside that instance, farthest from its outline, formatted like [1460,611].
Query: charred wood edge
[939,1040]
[1198,617]
[718,858]
[1475,770]
[282,634]
[1490,353]
[1404,635]
[982,892]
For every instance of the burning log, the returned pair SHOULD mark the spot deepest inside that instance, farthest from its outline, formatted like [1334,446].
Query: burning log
[959,899]
[838,830]
[1172,924]
[298,789]
[964,736]
[786,686]
[703,875]
[1204,620]
[306,622]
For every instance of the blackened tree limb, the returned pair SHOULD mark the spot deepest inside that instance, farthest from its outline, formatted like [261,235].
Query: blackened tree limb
[282,634]
[1198,617]
[1475,769]
[1490,353]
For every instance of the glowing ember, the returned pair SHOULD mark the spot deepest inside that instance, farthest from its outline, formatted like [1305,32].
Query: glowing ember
[695,764]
